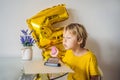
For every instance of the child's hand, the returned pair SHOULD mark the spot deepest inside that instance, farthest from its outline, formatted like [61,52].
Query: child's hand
[54,51]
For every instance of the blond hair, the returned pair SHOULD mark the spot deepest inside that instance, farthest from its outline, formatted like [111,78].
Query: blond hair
[79,30]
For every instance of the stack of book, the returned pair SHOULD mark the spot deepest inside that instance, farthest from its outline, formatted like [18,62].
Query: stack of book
[54,62]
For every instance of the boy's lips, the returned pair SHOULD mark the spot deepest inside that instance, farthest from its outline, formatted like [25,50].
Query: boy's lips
[64,45]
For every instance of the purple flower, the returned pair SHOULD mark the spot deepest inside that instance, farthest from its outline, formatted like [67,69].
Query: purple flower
[26,39]
[24,32]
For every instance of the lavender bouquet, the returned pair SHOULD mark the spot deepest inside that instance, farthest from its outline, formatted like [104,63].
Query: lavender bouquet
[26,39]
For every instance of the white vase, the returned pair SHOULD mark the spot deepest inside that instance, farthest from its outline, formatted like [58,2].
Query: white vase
[27,53]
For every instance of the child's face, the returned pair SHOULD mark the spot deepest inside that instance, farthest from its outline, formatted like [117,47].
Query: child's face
[69,40]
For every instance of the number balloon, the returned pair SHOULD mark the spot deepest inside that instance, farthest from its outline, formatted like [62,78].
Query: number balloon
[45,34]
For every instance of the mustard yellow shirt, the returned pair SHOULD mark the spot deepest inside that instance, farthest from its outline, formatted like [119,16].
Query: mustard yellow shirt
[83,66]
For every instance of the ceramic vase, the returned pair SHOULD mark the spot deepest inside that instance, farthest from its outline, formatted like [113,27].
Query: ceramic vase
[27,53]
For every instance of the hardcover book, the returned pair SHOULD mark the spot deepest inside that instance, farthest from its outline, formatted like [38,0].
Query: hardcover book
[52,62]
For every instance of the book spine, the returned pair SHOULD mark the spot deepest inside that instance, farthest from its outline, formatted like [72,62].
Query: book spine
[52,64]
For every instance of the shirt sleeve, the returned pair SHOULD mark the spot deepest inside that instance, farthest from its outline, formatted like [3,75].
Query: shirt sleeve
[94,66]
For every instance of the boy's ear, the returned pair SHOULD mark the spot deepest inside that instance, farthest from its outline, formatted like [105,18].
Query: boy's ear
[80,41]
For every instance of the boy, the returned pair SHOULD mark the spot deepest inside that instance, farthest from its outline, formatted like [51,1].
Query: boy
[78,58]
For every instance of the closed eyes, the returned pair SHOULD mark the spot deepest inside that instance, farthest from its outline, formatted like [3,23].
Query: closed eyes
[66,37]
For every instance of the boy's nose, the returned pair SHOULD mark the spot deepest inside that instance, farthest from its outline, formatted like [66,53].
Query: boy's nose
[64,40]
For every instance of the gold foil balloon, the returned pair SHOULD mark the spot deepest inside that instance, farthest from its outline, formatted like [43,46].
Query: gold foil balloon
[45,34]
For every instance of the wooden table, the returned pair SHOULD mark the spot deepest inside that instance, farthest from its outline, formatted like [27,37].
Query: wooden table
[38,67]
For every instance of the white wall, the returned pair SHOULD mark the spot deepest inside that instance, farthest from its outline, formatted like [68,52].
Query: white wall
[100,17]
